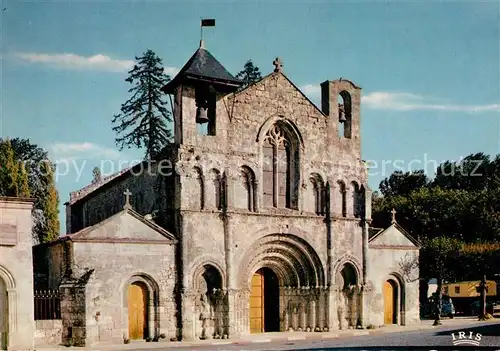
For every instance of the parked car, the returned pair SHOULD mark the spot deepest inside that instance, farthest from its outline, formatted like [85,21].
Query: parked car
[476,307]
[447,307]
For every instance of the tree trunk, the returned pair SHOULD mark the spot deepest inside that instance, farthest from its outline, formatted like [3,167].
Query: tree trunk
[439,301]
[482,292]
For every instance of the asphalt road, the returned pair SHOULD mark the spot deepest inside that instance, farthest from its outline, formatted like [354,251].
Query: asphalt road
[421,340]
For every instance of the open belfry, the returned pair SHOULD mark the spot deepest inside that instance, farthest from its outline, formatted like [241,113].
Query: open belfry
[261,225]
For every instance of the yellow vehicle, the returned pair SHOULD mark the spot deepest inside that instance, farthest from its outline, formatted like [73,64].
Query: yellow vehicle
[469,288]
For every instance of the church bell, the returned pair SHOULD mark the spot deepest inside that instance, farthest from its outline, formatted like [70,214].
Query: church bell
[201,115]
[342,118]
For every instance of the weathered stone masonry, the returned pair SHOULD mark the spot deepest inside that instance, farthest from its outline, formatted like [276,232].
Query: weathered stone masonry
[274,183]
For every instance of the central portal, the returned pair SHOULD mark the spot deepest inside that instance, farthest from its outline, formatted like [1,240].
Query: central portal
[264,302]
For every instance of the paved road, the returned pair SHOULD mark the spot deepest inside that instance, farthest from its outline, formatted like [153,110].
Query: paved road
[423,339]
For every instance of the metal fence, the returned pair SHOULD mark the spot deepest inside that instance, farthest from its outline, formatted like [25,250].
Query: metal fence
[47,305]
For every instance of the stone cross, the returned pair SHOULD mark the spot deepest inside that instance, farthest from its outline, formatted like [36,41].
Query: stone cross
[127,194]
[278,64]
[393,212]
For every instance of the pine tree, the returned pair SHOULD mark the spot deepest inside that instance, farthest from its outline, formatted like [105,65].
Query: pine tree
[249,74]
[142,121]
[50,204]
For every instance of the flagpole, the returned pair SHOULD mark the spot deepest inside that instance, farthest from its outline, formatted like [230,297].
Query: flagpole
[205,22]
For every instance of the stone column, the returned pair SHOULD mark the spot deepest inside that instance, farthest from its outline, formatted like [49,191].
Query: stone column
[228,183]
[363,298]
[188,316]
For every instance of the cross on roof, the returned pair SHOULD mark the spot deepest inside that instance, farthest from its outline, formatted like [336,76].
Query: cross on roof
[393,212]
[127,194]
[278,64]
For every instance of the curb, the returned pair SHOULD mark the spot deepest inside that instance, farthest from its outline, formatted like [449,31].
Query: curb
[299,337]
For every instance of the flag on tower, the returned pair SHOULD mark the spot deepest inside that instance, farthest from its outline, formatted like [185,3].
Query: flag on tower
[208,22]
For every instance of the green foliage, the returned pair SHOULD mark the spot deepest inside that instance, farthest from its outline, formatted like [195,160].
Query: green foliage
[459,205]
[50,204]
[478,259]
[143,117]
[26,172]
[438,256]
[400,183]
[8,171]
[22,181]
[249,74]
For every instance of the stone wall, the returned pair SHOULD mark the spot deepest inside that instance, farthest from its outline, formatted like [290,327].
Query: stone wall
[114,267]
[17,328]
[73,314]
[384,264]
[48,332]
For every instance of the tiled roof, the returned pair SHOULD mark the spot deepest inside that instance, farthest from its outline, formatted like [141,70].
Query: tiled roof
[74,196]
[203,65]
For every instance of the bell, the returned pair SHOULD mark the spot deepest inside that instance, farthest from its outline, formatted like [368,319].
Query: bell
[342,118]
[201,115]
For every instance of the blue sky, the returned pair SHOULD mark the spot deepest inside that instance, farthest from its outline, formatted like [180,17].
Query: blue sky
[429,70]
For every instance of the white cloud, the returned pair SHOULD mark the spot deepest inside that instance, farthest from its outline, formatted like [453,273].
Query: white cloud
[95,62]
[408,102]
[171,71]
[73,61]
[67,152]
[401,101]
[311,90]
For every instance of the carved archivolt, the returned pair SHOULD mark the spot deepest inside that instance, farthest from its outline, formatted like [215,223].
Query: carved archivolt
[292,259]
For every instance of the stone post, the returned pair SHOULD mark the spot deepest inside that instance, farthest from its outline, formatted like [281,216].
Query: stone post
[73,314]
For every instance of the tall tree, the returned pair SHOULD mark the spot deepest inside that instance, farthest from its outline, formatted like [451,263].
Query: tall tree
[472,173]
[143,119]
[438,254]
[22,181]
[400,183]
[50,204]
[33,158]
[9,170]
[249,74]
[477,262]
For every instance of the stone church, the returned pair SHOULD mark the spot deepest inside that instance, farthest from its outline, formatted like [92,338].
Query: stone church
[256,218]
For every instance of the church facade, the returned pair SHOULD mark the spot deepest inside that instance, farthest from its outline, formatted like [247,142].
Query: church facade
[266,199]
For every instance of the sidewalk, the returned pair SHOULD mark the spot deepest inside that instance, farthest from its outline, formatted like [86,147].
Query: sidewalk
[267,337]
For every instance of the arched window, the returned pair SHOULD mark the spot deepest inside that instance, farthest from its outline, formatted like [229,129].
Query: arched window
[345,114]
[319,193]
[280,168]
[218,189]
[248,178]
[200,191]
[356,200]
[342,195]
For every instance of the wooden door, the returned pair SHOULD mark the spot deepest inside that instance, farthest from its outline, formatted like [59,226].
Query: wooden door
[257,304]
[388,303]
[137,311]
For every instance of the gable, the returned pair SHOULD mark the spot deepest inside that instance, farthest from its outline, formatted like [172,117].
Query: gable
[283,85]
[393,237]
[125,227]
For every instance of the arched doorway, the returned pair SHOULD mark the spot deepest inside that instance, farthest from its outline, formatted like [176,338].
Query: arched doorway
[349,305]
[138,297]
[209,303]
[390,302]
[4,315]
[264,302]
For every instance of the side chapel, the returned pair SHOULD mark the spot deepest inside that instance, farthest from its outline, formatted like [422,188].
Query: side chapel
[264,220]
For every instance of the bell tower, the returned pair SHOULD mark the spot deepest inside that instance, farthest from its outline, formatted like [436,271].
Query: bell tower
[195,90]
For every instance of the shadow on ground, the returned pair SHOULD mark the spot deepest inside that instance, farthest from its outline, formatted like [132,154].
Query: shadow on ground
[485,330]
[403,348]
